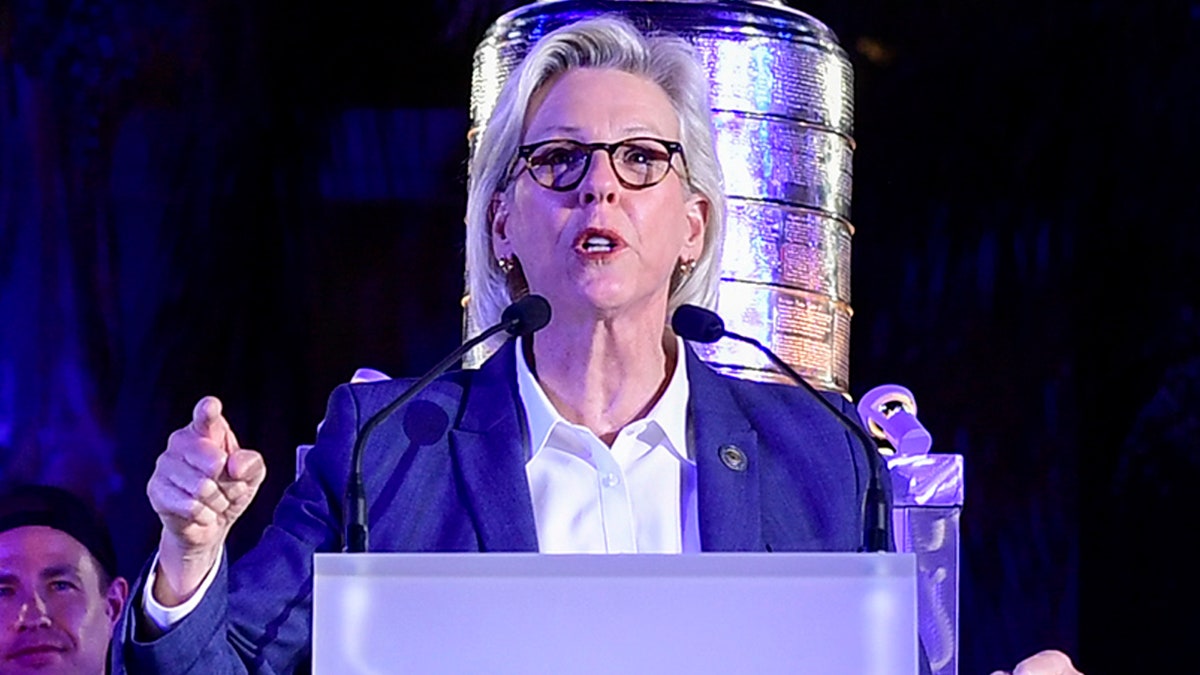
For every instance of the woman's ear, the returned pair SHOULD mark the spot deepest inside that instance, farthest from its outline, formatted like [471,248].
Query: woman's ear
[697,222]
[498,221]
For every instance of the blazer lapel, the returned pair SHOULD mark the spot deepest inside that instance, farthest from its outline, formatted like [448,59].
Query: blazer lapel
[488,449]
[727,463]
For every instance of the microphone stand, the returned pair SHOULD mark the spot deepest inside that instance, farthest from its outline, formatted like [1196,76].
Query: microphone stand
[523,317]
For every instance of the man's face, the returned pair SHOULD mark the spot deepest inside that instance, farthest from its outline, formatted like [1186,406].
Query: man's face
[54,614]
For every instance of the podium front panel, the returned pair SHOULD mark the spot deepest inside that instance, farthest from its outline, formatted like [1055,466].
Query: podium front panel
[529,613]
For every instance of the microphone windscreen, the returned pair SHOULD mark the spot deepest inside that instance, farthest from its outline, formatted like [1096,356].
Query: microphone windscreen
[527,315]
[697,324]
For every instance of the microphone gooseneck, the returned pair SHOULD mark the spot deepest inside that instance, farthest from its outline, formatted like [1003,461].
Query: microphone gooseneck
[524,317]
[701,325]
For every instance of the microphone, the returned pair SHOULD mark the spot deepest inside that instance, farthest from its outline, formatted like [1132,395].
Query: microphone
[701,325]
[524,317]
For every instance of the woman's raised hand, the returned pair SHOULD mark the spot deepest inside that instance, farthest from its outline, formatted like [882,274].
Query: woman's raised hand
[201,484]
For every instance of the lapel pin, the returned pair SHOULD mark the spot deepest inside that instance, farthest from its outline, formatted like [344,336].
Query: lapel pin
[733,458]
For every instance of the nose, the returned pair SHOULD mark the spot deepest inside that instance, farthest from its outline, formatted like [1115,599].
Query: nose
[600,184]
[32,613]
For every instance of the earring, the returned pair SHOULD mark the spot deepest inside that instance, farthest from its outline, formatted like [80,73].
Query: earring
[685,268]
[514,276]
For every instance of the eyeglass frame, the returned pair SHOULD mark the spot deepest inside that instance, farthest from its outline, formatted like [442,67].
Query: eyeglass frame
[525,151]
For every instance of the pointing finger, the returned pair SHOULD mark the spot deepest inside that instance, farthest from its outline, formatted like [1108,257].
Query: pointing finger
[206,418]
[209,422]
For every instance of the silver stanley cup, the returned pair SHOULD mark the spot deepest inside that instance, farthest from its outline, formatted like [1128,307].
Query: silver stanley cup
[783,108]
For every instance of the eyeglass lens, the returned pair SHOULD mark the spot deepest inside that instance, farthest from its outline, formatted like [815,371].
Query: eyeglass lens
[562,164]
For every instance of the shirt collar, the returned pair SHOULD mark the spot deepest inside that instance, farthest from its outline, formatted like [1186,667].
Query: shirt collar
[669,413]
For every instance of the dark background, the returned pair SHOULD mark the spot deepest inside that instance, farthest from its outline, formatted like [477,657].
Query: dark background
[254,199]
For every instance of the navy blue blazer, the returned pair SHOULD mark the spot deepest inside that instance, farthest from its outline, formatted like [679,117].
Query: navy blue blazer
[447,473]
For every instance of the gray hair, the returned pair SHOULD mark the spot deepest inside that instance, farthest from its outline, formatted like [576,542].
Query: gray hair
[602,42]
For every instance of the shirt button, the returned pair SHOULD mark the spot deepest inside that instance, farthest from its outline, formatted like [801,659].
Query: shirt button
[610,480]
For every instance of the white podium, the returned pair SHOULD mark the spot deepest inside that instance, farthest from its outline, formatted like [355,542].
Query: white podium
[826,613]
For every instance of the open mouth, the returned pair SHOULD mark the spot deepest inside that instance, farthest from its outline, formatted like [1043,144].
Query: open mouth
[596,242]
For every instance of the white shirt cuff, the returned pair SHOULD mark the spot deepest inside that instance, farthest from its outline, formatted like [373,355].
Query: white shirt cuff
[163,617]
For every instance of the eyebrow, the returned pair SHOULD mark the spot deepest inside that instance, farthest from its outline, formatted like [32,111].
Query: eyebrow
[52,572]
[571,129]
[60,571]
[562,128]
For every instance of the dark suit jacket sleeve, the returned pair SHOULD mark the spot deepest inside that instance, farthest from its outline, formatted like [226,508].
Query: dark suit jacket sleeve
[257,615]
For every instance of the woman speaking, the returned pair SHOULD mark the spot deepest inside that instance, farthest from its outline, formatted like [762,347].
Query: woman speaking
[595,184]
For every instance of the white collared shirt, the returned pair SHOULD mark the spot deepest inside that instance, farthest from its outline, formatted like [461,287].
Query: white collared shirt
[639,496]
